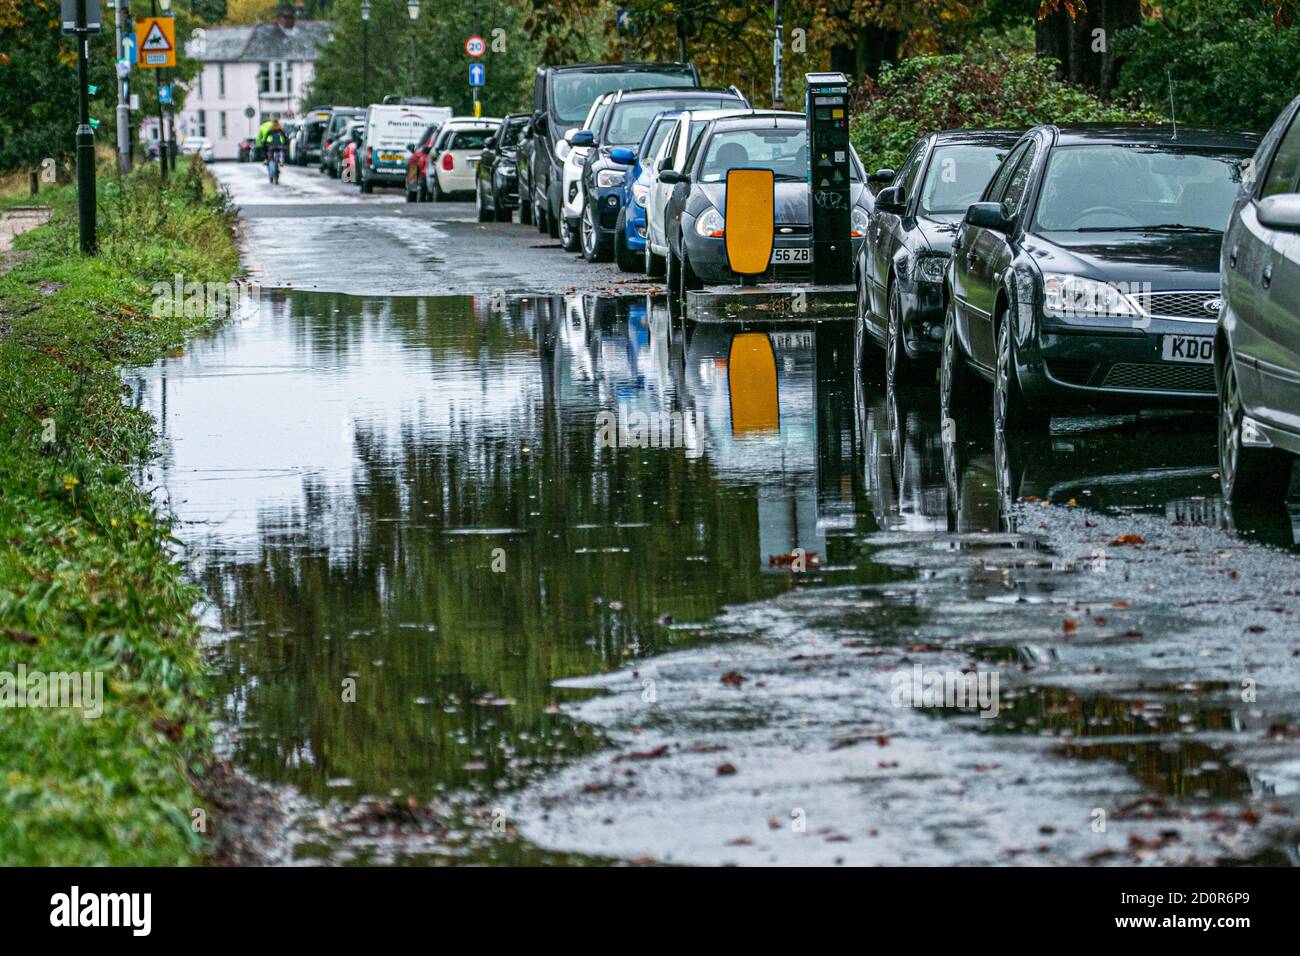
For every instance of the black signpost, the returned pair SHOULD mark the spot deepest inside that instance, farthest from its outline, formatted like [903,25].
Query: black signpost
[827,108]
[81,18]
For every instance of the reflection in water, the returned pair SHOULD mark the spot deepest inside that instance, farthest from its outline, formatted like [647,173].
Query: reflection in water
[409,503]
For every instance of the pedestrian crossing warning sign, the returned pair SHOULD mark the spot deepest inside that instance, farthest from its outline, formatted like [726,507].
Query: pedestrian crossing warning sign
[155,42]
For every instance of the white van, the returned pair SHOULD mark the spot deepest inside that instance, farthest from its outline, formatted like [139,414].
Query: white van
[390,130]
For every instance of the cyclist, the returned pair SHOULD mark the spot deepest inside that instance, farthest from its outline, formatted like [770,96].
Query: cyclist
[277,145]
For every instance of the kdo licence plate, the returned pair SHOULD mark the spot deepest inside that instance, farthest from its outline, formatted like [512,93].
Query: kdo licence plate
[1187,348]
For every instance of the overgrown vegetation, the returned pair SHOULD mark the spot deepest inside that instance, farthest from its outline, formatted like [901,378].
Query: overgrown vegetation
[87,578]
[991,86]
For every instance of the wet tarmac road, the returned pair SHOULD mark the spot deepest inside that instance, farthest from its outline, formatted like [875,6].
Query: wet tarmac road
[714,641]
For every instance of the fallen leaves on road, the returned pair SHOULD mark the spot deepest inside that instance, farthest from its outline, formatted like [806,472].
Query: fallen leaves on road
[1127,539]
[734,678]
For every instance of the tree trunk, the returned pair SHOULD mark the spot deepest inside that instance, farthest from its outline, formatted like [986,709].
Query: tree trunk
[1085,47]
[870,49]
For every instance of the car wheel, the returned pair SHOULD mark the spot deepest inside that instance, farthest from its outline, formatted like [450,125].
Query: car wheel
[421,190]
[525,211]
[484,214]
[539,217]
[655,266]
[594,246]
[569,238]
[899,369]
[1246,474]
[623,256]
[1011,412]
[410,193]
[673,281]
[956,384]
[365,184]
[436,194]
[552,222]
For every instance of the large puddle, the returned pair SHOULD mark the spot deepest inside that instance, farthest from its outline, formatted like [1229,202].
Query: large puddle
[412,516]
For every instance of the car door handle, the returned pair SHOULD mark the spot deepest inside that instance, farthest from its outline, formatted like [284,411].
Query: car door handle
[1232,258]
[1268,276]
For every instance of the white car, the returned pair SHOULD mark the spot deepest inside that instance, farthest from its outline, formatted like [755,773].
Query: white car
[672,155]
[198,146]
[452,166]
[572,150]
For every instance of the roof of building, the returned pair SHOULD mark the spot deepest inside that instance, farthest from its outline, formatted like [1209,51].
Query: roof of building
[260,42]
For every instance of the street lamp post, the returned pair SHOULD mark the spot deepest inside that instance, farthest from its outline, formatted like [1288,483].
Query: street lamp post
[413,8]
[85,137]
[162,126]
[365,52]
[171,113]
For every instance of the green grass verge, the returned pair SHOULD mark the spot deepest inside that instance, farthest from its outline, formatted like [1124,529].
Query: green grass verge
[87,576]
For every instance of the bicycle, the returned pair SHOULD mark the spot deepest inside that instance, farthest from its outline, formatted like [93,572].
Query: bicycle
[274,161]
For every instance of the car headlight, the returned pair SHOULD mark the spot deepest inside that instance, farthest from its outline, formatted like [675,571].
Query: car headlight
[931,268]
[858,222]
[562,150]
[609,177]
[711,225]
[639,194]
[1071,295]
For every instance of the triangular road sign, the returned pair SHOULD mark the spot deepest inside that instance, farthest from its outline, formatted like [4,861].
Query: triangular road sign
[155,40]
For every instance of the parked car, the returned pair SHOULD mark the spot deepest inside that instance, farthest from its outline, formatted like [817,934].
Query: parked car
[902,262]
[389,131]
[307,139]
[340,118]
[198,146]
[497,191]
[630,231]
[1087,277]
[696,208]
[622,125]
[455,154]
[246,146]
[416,191]
[575,146]
[671,157]
[562,95]
[355,139]
[1257,347]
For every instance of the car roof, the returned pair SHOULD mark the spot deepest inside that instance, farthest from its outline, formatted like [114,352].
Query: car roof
[1131,134]
[759,117]
[706,115]
[638,67]
[990,137]
[472,121]
[662,92]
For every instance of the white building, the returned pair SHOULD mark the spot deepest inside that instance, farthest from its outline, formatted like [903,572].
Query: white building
[263,67]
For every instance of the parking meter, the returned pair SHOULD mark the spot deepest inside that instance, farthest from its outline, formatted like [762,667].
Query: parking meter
[826,107]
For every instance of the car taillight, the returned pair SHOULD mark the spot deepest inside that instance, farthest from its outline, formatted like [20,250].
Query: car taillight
[369,152]
[327,145]
[447,161]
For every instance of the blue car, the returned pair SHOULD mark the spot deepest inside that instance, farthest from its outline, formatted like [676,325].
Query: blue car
[620,133]
[629,239]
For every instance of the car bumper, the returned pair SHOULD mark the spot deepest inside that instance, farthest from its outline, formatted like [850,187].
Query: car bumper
[634,234]
[505,192]
[708,260]
[385,174]
[922,323]
[1116,369]
[608,204]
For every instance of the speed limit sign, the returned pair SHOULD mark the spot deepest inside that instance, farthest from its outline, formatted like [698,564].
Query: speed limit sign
[476,46]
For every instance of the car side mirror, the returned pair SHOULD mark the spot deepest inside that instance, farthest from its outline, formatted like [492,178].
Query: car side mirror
[890,200]
[665,164]
[989,215]
[580,137]
[884,176]
[673,177]
[622,155]
[1280,212]
[410,147]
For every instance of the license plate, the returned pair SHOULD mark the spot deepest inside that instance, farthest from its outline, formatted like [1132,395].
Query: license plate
[787,255]
[791,340]
[1187,348]
[391,157]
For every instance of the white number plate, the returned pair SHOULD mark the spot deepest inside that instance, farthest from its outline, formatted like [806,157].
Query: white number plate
[787,255]
[1187,348]
[791,340]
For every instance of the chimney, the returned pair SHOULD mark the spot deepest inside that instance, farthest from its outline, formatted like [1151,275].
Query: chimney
[284,16]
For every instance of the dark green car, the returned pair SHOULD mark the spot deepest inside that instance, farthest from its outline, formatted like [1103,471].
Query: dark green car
[1087,278]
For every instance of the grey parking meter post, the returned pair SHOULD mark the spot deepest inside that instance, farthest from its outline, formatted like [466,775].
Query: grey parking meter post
[81,18]
[826,106]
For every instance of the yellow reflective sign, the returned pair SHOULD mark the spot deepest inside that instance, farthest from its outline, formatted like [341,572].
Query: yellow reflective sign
[751,200]
[751,380]
[155,42]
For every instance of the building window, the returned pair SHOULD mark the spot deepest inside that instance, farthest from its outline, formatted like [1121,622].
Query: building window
[203,125]
[199,77]
[273,77]
[288,78]
[223,124]
[221,81]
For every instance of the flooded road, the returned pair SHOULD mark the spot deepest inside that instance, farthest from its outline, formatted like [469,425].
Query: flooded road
[595,586]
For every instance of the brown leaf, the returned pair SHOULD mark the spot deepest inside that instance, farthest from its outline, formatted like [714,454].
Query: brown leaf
[1124,539]
[734,678]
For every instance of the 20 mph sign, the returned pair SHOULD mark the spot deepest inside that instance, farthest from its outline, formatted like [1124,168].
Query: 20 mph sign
[476,46]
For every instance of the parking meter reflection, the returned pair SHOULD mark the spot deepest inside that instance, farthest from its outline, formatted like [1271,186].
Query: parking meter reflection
[826,106]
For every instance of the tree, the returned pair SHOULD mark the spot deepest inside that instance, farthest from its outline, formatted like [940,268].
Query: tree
[1081,37]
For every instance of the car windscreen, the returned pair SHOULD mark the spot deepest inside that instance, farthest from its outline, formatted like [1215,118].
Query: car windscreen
[665,127]
[957,177]
[1109,188]
[314,131]
[510,133]
[572,93]
[470,139]
[783,150]
[627,122]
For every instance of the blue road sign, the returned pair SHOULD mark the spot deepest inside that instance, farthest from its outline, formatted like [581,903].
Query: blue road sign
[165,93]
[477,74]
[128,50]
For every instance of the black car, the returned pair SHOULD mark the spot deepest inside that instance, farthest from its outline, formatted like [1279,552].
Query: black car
[498,188]
[763,139]
[1257,350]
[1087,278]
[309,135]
[330,156]
[903,259]
[622,125]
[561,97]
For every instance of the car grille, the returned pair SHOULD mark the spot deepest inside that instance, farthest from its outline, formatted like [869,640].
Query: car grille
[1071,371]
[1179,305]
[1160,378]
